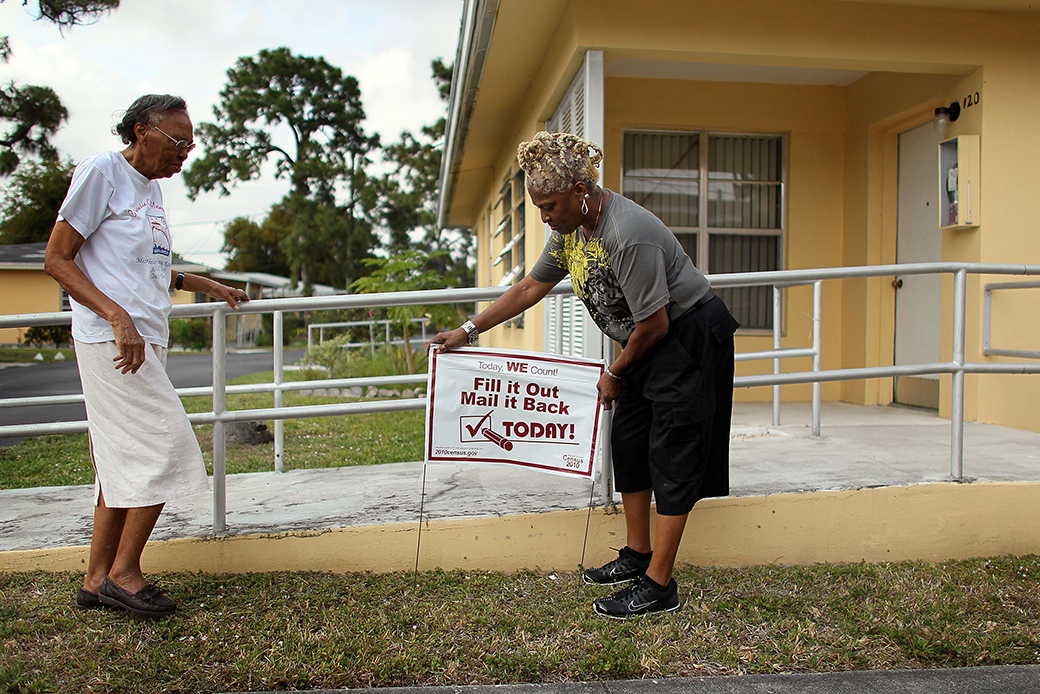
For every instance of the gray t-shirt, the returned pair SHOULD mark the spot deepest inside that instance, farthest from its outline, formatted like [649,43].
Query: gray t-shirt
[632,266]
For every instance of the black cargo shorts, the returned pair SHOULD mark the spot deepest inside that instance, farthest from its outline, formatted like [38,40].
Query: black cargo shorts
[671,423]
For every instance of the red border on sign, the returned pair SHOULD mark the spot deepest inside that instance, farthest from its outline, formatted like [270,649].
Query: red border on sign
[528,356]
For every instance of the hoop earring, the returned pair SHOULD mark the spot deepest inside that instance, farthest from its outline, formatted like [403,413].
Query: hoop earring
[585,204]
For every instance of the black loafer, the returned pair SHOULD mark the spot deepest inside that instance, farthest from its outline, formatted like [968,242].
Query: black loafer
[85,600]
[147,602]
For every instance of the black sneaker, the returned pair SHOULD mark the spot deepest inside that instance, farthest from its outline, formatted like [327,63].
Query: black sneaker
[642,597]
[623,569]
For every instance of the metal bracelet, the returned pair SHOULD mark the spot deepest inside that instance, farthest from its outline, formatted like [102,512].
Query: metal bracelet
[471,331]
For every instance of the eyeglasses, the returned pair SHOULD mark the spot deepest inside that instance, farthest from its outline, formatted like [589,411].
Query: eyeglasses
[179,145]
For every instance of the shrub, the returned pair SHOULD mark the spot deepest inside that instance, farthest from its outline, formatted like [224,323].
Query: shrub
[192,333]
[57,335]
[359,362]
[332,356]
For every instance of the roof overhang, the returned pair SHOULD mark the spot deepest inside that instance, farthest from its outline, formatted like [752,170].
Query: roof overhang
[475,30]
[503,46]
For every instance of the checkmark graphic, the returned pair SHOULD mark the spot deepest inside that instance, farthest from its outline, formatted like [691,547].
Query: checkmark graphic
[472,430]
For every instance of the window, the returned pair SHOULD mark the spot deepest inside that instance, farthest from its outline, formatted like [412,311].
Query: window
[722,200]
[508,235]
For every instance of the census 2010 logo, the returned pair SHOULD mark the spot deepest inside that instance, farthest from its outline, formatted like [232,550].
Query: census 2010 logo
[574,461]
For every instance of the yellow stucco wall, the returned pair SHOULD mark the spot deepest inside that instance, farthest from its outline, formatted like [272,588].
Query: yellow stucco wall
[812,120]
[33,291]
[842,147]
[926,522]
[26,291]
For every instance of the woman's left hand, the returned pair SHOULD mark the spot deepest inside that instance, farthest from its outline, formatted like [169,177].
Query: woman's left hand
[215,290]
[609,389]
[232,295]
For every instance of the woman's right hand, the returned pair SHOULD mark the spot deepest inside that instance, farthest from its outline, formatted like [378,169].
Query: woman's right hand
[449,339]
[130,346]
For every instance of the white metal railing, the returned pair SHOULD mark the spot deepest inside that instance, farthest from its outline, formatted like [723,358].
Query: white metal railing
[372,323]
[987,319]
[219,416]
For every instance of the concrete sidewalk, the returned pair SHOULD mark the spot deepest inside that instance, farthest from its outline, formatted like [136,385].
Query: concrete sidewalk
[859,447]
[1010,679]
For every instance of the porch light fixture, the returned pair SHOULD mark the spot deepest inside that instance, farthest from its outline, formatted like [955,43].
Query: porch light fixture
[944,115]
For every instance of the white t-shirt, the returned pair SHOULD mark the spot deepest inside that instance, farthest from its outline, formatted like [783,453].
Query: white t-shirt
[127,248]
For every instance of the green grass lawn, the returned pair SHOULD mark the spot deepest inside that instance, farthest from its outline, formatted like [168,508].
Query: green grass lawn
[279,631]
[366,439]
[23,355]
[292,630]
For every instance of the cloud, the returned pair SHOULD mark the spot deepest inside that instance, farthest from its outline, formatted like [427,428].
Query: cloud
[185,47]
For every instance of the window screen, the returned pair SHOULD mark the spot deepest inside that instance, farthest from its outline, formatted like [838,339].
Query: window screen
[723,201]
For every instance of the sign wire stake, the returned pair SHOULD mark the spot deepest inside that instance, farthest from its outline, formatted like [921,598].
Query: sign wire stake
[418,541]
[585,540]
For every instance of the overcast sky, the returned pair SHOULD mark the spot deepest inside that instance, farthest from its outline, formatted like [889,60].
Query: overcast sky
[185,47]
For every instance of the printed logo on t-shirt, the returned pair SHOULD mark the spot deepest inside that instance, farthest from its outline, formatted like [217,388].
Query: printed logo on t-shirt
[594,281]
[161,244]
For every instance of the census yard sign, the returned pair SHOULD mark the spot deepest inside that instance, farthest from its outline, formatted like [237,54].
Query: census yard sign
[505,406]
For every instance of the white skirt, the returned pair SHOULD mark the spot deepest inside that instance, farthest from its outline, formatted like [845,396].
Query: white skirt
[144,449]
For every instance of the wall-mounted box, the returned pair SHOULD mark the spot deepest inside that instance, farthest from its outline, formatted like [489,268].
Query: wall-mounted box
[959,182]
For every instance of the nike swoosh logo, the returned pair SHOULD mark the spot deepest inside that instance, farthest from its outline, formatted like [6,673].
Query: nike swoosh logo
[634,607]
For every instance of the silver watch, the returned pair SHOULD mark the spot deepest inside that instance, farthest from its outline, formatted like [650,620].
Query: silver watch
[472,331]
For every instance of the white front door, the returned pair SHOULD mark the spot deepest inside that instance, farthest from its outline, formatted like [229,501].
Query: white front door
[918,240]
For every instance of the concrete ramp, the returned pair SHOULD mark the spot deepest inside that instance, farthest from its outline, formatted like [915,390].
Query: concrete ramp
[875,486]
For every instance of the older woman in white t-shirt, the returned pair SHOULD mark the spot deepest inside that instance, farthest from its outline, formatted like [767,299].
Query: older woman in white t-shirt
[112,252]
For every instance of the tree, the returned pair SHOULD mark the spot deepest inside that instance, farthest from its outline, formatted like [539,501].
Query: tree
[257,247]
[324,159]
[30,115]
[70,13]
[36,192]
[408,196]
[326,242]
[408,271]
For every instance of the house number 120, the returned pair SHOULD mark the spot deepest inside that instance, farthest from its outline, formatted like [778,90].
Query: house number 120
[971,100]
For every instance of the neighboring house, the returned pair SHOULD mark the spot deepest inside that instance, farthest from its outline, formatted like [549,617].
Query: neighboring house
[26,288]
[244,329]
[773,135]
[267,286]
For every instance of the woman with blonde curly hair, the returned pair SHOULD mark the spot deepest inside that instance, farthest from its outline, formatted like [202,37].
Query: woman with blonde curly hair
[672,384]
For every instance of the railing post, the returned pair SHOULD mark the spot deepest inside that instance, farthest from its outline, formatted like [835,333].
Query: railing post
[777,294]
[987,307]
[604,482]
[817,339]
[960,291]
[279,395]
[219,408]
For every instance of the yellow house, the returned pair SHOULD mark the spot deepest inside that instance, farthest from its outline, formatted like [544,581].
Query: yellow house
[775,136]
[26,288]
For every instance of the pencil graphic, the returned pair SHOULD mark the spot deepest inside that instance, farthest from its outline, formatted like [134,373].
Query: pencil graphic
[499,439]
